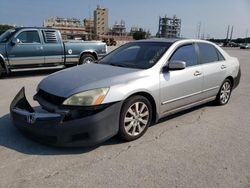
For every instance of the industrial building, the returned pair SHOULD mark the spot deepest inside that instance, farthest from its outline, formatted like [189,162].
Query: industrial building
[118,29]
[101,21]
[62,22]
[169,27]
[96,28]
[70,28]
[134,29]
[89,27]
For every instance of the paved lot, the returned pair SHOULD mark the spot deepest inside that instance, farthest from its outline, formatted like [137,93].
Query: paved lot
[208,146]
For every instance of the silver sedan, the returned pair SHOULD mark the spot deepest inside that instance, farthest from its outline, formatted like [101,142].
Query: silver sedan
[127,90]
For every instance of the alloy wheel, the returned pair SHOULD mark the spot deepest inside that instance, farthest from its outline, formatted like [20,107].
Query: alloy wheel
[136,118]
[225,92]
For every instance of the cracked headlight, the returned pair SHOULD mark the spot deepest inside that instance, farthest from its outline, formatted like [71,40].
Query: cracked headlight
[87,98]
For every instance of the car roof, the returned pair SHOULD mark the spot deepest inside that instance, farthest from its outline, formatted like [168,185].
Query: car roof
[174,40]
[19,28]
[164,40]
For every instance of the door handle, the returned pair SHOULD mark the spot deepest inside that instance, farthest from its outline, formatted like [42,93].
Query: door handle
[223,66]
[39,48]
[197,73]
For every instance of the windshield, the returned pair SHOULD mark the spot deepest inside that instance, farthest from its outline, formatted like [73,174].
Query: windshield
[7,35]
[141,55]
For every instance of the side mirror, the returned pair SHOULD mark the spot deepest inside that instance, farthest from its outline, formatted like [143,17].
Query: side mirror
[176,65]
[15,41]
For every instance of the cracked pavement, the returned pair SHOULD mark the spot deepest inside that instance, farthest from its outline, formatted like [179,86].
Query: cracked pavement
[207,146]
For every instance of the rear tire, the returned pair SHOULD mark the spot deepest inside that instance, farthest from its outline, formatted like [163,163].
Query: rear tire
[86,59]
[224,93]
[2,70]
[135,118]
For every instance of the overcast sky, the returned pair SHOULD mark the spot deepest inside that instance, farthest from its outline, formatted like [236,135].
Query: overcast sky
[214,15]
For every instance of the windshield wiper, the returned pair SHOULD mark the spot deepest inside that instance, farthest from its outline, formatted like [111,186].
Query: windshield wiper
[117,65]
[122,65]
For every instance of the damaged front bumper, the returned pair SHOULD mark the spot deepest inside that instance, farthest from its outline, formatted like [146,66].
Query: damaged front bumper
[56,129]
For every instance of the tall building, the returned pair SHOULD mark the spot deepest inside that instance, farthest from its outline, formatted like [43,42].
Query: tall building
[169,27]
[101,21]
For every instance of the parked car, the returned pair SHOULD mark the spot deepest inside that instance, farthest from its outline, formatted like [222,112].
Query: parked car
[40,47]
[232,44]
[220,44]
[245,46]
[130,88]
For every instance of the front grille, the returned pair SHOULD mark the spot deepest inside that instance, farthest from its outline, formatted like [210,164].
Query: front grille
[53,99]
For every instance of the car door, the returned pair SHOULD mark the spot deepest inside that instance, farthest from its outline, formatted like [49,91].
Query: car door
[181,87]
[214,69]
[53,48]
[28,49]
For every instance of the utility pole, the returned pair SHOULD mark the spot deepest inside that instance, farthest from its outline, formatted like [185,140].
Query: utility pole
[228,28]
[246,36]
[90,12]
[198,30]
[203,33]
[232,30]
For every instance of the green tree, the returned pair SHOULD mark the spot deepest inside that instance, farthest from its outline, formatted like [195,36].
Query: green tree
[5,27]
[139,35]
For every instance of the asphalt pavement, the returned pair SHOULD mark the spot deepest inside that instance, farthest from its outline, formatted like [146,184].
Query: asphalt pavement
[207,146]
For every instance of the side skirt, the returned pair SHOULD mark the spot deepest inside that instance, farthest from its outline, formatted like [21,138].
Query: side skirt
[185,107]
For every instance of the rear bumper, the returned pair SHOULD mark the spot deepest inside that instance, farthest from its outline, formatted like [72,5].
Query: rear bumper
[237,79]
[51,128]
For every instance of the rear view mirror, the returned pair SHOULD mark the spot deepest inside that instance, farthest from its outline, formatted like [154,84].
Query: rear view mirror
[176,65]
[15,41]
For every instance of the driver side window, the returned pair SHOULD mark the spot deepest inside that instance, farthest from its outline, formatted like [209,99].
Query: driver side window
[187,54]
[29,37]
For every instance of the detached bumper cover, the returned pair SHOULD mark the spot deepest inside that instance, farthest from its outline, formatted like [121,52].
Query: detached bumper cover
[51,128]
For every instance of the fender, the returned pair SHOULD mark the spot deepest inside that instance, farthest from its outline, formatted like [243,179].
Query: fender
[88,51]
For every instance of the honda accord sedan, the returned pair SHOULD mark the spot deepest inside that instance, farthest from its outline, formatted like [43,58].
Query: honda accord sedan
[130,88]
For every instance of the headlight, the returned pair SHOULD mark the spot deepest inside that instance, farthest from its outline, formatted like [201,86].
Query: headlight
[87,98]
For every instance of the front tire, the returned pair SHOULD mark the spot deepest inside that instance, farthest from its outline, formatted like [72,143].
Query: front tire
[135,117]
[224,93]
[87,58]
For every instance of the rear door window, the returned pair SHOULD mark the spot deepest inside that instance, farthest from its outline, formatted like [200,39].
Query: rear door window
[208,53]
[187,54]
[50,36]
[221,58]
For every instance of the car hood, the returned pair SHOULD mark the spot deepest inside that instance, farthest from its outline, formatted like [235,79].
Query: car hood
[85,77]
